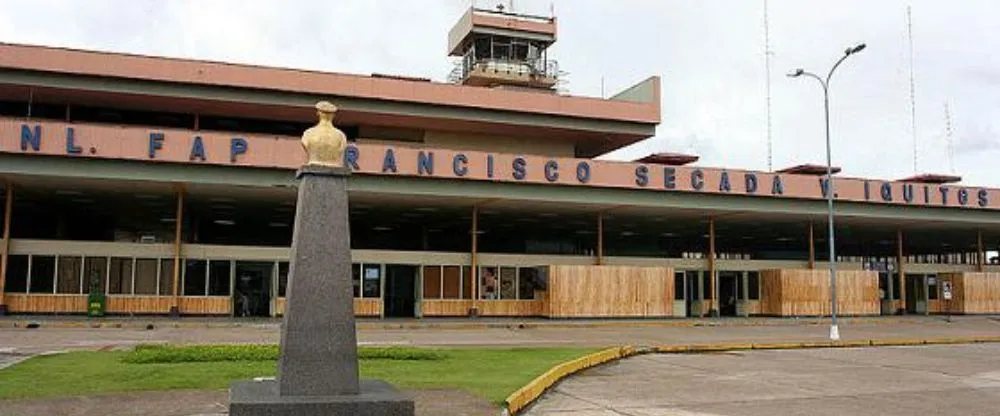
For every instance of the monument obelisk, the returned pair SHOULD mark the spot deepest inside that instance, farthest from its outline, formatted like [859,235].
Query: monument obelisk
[318,367]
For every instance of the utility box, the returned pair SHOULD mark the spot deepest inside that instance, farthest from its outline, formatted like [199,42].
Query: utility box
[96,301]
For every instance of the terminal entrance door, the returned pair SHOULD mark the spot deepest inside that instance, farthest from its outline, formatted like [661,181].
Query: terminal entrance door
[252,297]
[692,298]
[916,294]
[729,293]
[400,299]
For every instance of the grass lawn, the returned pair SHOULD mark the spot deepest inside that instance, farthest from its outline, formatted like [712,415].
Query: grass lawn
[489,373]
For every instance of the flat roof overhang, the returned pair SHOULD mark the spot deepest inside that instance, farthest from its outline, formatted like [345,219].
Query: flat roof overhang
[670,159]
[592,137]
[388,188]
[596,125]
[933,178]
[810,169]
[485,21]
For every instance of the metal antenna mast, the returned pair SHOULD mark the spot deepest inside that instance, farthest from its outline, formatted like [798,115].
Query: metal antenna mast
[948,138]
[767,87]
[913,99]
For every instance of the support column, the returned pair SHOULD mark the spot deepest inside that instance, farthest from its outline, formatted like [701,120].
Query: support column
[713,309]
[600,238]
[980,253]
[8,207]
[901,269]
[812,247]
[746,293]
[475,261]
[175,310]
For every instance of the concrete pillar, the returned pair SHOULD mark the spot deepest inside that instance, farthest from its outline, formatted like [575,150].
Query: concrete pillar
[475,260]
[713,309]
[178,246]
[901,268]
[600,238]
[812,247]
[7,215]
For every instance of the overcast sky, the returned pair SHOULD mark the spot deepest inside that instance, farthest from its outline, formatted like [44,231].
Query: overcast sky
[710,54]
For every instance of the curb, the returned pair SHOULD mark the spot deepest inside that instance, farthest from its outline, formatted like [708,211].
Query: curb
[523,397]
[535,388]
[861,343]
[149,324]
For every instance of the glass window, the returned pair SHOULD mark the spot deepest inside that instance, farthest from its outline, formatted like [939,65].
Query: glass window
[95,272]
[282,278]
[120,276]
[145,276]
[166,277]
[528,282]
[17,274]
[694,285]
[932,287]
[432,282]
[896,283]
[508,283]
[488,283]
[219,278]
[753,284]
[452,282]
[373,282]
[69,275]
[43,273]
[739,286]
[678,285]
[467,282]
[194,277]
[707,284]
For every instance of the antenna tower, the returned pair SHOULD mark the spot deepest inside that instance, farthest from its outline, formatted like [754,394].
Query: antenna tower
[767,87]
[948,137]
[913,99]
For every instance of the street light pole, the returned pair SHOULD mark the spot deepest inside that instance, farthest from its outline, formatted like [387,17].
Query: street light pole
[834,330]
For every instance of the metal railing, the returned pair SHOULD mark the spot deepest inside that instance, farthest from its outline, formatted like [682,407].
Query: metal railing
[540,68]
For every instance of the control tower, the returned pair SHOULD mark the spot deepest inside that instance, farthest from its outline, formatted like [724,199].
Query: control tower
[503,49]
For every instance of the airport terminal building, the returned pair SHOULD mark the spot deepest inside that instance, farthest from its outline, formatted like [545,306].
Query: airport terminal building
[169,186]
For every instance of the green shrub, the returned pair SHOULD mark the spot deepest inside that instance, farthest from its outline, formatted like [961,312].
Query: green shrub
[164,354]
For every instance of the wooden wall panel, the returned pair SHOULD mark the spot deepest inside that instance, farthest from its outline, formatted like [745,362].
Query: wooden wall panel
[610,291]
[22,303]
[804,292]
[139,305]
[205,305]
[362,307]
[432,282]
[367,307]
[460,307]
[973,292]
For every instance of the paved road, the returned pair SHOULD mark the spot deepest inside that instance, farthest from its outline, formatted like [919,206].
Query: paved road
[29,341]
[938,380]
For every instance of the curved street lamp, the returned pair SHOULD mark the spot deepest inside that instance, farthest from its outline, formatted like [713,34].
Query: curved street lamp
[834,331]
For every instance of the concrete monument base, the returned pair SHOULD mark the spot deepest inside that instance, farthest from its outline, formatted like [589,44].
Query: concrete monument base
[260,398]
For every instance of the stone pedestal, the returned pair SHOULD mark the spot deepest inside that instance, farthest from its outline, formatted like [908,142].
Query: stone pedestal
[318,366]
[260,398]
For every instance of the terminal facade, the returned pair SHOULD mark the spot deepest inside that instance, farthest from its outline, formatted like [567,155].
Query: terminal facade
[168,185]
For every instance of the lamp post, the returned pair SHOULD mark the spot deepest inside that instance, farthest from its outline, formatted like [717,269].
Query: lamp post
[834,331]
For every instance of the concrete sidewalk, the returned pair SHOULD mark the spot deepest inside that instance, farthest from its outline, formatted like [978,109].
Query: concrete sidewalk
[889,381]
[605,334]
[142,322]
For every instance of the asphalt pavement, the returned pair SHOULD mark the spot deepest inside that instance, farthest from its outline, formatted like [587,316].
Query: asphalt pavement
[886,381]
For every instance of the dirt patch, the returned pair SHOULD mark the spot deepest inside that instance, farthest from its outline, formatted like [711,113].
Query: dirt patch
[212,403]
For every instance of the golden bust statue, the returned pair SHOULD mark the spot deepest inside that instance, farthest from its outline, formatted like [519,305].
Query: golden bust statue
[323,142]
